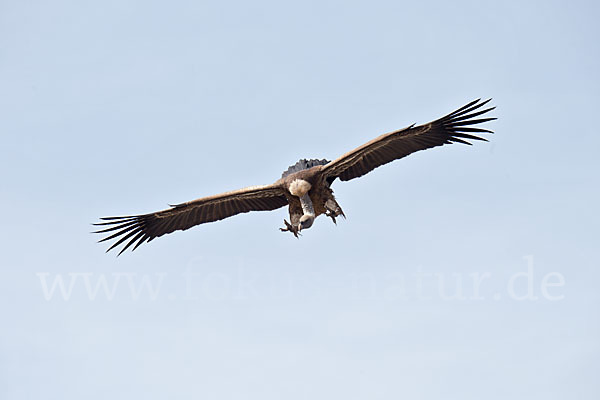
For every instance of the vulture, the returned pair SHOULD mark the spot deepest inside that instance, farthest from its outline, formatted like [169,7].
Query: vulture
[305,187]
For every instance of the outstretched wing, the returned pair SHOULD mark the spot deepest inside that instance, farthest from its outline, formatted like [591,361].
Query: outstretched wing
[144,228]
[454,127]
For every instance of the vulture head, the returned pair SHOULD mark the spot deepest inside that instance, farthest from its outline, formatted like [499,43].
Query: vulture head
[306,221]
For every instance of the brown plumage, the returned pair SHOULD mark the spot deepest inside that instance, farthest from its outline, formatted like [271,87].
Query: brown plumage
[305,187]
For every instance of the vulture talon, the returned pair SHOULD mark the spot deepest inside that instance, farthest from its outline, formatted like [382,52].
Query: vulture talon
[290,228]
[333,210]
[331,215]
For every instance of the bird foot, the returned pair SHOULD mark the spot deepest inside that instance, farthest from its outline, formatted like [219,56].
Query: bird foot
[331,215]
[333,212]
[290,228]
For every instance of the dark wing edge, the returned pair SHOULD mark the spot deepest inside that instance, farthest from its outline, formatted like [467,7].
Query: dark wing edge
[144,228]
[456,127]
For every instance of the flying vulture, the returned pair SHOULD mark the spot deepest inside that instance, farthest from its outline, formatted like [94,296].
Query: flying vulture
[305,187]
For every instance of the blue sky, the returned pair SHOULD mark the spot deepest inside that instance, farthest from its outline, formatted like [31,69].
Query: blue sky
[461,272]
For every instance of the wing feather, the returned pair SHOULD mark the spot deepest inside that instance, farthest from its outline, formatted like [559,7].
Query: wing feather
[138,229]
[395,145]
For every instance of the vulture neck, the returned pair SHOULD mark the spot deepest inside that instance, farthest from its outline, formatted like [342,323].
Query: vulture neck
[307,205]
[300,188]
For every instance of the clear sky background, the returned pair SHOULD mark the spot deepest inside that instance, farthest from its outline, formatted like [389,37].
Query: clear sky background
[460,273]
